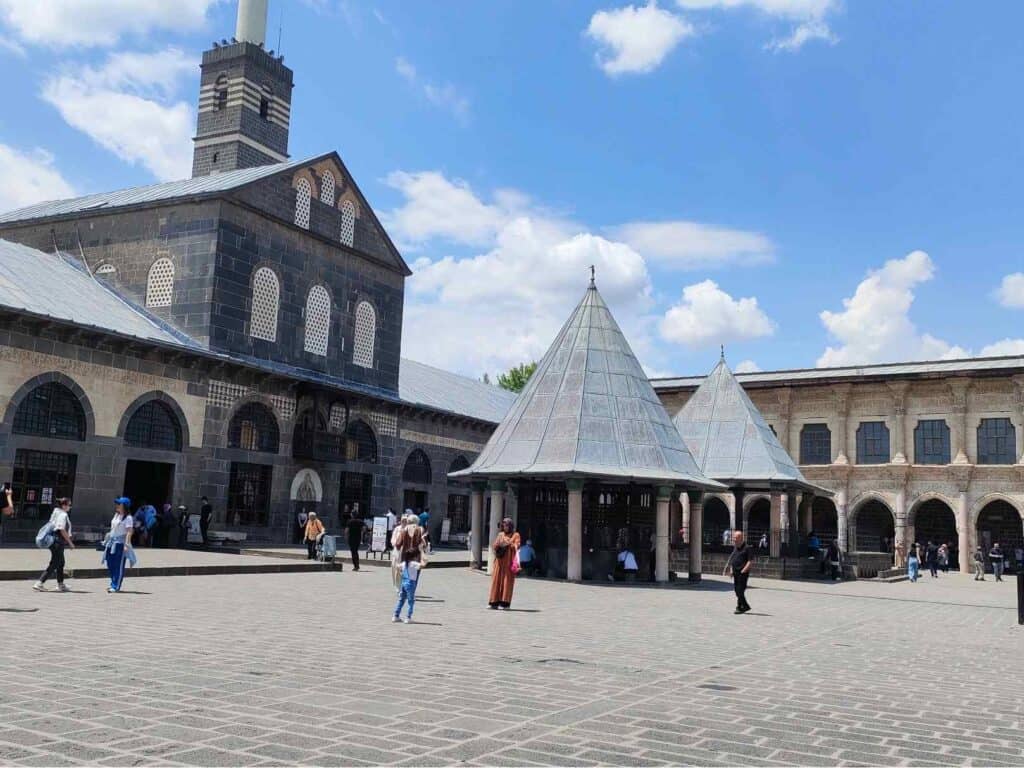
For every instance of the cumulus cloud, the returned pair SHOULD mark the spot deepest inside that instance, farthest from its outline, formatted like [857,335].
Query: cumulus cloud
[444,95]
[693,245]
[128,107]
[808,17]
[747,366]
[1004,347]
[98,22]
[709,315]
[30,178]
[636,39]
[1011,291]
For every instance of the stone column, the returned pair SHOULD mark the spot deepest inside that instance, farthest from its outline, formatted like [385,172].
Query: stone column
[785,395]
[775,536]
[730,502]
[842,410]
[675,520]
[960,390]
[792,524]
[684,508]
[842,521]
[574,572]
[738,497]
[497,513]
[963,529]
[901,522]
[1019,408]
[661,534]
[476,523]
[807,513]
[900,448]
[512,504]
[696,534]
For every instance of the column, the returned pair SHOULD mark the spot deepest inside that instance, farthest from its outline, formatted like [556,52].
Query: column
[696,534]
[497,513]
[958,429]
[901,521]
[476,523]
[842,522]
[842,410]
[512,504]
[574,572]
[684,509]
[675,520]
[964,534]
[775,536]
[807,506]
[793,525]
[744,512]
[661,534]
[730,502]
[900,449]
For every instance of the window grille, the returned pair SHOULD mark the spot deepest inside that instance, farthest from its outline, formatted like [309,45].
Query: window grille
[815,444]
[303,196]
[105,270]
[266,293]
[153,425]
[360,444]
[254,428]
[348,223]
[365,333]
[50,410]
[318,320]
[417,468]
[40,477]
[249,494]
[327,188]
[220,93]
[997,442]
[337,417]
[458,513]
[873,443]
[160,286]
[931,442]
[458,464]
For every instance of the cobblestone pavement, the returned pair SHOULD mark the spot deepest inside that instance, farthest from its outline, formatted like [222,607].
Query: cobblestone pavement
[307,669]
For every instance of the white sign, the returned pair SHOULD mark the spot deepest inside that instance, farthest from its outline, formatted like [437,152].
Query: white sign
[47,496]
[195,533]
[380,534]
[446,530]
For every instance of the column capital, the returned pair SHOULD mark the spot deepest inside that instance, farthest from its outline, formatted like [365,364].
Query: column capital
[664,492]
[575,484]
[696,497]
[478,486]
[497,484]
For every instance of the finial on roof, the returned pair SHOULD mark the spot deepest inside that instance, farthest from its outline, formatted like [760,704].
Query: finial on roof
[592,285]
[722,347]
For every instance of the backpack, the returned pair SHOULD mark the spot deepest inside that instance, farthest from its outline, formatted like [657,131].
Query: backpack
[45,538]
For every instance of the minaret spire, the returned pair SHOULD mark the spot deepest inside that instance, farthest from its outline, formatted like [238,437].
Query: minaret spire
[252,22]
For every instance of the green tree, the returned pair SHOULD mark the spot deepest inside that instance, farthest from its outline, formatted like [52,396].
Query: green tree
[515,379]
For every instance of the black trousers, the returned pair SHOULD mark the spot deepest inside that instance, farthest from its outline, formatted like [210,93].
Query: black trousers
[56,566]
[739,585]
[354,551]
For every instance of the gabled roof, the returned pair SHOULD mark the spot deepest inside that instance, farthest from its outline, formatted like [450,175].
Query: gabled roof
[420,384]
[589,411]
[729,437]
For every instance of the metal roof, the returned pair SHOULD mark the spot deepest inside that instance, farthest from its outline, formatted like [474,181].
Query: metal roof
[729,437]
[200,185]
[854,372]
[589,411]
[420,384]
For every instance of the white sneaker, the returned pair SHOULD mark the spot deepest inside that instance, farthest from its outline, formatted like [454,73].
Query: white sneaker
[395,619]
[407,621]
[38,587]
[111,590]
[62,588]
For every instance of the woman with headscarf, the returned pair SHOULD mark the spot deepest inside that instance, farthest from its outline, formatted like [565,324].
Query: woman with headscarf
[504,566]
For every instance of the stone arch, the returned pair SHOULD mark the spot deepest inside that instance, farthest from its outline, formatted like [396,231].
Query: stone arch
[267,439]
[759,518]
[714,520]
[307,486]
[825,519]
[751,498]
[932,517]
[46,378]
[413,465]
[863,498]
[987,499]
[872,524]
[361,443]
[168,401]
[995,523]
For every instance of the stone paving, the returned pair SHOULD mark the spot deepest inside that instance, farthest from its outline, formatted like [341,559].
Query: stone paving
[306,669]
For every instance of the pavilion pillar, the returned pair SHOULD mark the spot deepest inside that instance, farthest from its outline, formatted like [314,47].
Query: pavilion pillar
[512,504]
[743,511]
[476,524]
[775,538]
[792,524]
[963,530]
[497,513]
[842,522]
[807,512]
[574,572]
[675,520]
[684,515]
[696,534]
[901,523]
[661,551]
[730,502]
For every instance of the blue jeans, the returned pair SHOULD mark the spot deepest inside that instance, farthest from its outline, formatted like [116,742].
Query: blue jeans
[406,594]
[115,564]
[912,566]
[997,569]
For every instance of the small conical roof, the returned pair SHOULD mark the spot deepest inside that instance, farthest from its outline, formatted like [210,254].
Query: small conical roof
[589,411]
[729,438]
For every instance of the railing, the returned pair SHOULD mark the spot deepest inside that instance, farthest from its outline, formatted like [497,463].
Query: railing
[318,446]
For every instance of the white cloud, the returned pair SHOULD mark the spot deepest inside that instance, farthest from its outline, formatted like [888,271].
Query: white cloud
[809,16]
[747,366]
[709,315]
[811,30]
[636,39]
[98,22]
[1004,347]
[127,106]
[29,178]
[692,245]
[1011,291]
[444,95]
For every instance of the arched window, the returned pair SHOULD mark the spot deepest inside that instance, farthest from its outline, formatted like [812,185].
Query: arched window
[997,441]
[872,443]
[458,464]
[160,285]
[417,468]
[327,188]
[337,417]
[266,294]
[303,196]
[365,335]
[266,98]
[815,444]
[318,320]
[220,93]
[931,442]
[348,223]
[106,270]
[153,425]
[360,444]
[254,428]
[50,410]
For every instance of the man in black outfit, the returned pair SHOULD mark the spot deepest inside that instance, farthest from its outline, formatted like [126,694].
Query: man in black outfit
[740,563]
[205,516]
[354,531]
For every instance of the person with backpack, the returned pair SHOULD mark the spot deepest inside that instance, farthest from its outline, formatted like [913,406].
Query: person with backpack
[56,536]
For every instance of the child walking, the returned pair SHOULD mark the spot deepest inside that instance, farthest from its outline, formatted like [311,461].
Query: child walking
[410,570]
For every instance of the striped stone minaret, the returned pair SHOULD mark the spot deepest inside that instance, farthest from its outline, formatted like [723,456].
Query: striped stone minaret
[245,97]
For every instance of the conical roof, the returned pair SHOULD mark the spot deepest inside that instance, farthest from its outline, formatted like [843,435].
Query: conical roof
[729,437]
[589,411]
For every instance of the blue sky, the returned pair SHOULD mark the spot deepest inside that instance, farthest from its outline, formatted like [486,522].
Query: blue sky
[734,168]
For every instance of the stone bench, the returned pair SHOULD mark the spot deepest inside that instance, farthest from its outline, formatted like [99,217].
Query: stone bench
[226,537]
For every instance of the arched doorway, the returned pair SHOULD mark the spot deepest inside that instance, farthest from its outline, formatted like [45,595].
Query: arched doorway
[825,520]
[759,523]
[999,521]
[416,473]
[714,523]
[306,494]
[156,429]
[874,527]
[934,521]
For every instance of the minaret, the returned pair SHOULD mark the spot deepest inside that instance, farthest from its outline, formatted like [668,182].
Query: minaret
[245,97]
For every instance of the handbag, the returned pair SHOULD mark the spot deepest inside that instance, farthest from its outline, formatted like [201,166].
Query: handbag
[516,566]
[45,538]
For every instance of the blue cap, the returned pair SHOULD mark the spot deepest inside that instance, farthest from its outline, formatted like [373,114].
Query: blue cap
[123,500]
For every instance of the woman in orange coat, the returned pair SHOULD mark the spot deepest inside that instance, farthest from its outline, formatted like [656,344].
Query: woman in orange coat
[503,580]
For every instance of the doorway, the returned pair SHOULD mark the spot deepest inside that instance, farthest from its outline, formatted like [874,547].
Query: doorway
[356,496]
[151,482]
[414,500]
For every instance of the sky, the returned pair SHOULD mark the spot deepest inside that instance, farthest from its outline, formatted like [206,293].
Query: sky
[804,182]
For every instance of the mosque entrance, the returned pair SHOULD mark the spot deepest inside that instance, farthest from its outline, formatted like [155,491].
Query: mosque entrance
[149,482]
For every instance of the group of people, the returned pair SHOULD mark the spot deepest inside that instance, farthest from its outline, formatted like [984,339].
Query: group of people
[997,557]
[939,557]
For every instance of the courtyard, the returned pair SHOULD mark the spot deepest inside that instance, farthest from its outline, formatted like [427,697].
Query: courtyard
[306,669]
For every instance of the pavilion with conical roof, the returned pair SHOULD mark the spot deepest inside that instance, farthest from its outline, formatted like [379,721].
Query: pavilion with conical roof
[732,443]
[587,455]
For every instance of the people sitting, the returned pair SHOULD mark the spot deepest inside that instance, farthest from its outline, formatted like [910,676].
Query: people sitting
[528,559]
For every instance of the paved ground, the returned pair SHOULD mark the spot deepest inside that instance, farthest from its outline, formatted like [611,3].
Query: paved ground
[307,669]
